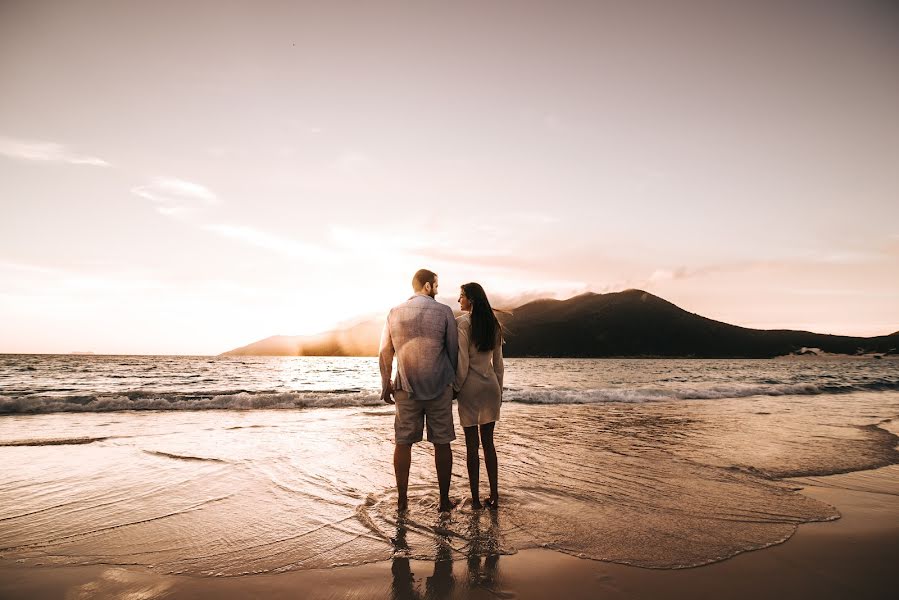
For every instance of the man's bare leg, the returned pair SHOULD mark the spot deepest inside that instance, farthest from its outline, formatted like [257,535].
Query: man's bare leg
[443,460]
[402,461]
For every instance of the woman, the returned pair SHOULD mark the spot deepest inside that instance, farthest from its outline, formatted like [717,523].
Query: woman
[479,384]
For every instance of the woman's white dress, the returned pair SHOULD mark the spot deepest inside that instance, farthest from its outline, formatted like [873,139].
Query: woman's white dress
[479,378]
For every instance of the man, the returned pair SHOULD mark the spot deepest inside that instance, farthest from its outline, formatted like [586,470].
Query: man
[422,334]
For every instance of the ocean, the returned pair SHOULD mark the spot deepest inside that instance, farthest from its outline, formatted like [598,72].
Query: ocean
[225,466]
[35,384]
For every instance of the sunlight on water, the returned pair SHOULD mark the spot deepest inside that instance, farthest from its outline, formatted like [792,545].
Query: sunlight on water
[663,484]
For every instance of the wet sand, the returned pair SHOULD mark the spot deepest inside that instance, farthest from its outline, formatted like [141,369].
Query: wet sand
[853,557]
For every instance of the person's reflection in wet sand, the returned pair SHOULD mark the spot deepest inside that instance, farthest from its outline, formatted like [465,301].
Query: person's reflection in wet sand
[442,582]
[484,544]
[403,587]
[438,586]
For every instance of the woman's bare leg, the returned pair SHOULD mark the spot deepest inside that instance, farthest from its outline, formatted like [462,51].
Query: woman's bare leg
[473,461]
[491,462]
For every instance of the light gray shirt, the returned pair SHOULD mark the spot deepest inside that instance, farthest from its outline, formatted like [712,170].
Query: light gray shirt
[422,333]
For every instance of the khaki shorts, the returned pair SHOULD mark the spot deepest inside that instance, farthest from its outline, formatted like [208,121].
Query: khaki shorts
[411,416]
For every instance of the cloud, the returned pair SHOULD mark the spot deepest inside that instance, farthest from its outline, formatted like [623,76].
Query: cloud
[24,267]
[46,152]
[29,279]
[275,243]
[176,197]
[669,274]
[806,259]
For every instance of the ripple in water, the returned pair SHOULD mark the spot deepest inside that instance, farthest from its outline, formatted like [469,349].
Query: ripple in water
[662,485]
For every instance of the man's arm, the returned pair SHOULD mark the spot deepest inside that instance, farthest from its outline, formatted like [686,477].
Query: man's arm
[385,361]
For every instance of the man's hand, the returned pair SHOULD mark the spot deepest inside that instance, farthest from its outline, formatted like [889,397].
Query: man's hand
[387,393]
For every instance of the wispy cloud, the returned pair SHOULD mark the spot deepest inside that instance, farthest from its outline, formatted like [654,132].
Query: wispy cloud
[6,265]
[288,247]
[801,260]
[176,197]
[46,152]
[50,280]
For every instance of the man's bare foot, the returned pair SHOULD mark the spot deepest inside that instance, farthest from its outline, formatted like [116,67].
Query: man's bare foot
[476,504]
[492,503]
[402,504]
[448,505]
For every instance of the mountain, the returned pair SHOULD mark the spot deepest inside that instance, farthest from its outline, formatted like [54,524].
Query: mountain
[360,339]
[628,323]
[637,323]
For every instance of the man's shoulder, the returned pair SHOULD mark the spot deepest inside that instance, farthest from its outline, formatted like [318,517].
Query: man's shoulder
[419,304]
[422,304]
[407,304]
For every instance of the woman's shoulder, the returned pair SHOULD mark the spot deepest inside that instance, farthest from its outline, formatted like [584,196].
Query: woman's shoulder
[463,319]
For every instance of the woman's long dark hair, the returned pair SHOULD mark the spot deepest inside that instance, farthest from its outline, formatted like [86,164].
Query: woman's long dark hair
[484,324]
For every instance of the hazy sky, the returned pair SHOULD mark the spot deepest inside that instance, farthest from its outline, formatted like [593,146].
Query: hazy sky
[187,177]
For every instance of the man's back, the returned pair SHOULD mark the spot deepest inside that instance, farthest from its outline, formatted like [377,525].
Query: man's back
[423,334]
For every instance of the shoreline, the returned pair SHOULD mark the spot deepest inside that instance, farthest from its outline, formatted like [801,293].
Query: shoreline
[853,556]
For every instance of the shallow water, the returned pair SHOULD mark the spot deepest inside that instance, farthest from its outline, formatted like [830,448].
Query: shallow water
[664,484]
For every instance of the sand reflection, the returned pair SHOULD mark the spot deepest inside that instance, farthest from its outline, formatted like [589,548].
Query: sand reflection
[481,555]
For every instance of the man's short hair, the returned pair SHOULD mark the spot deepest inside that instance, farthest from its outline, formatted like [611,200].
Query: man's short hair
[421,277]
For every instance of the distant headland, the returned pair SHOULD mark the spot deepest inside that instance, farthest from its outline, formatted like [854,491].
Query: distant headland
[632,323]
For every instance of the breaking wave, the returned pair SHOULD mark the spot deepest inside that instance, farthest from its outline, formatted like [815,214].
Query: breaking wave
[174,456]
[54,442]
[591,396]
[249,400]
[242,400]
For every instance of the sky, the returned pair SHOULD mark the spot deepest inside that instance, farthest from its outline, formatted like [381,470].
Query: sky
[189,177]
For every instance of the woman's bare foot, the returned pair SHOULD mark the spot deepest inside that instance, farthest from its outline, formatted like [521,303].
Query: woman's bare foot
[476,504]
[492,502]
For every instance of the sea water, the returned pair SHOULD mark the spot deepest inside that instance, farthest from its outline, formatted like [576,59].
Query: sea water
[227,466]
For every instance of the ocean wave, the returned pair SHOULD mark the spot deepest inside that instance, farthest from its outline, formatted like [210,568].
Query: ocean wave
[348,397]
[54,442]
[174,456]
[145,401]
[623,394]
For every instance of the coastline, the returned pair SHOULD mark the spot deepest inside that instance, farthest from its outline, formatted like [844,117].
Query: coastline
[850,557]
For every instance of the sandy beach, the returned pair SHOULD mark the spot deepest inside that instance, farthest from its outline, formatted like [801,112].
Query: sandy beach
[854,556]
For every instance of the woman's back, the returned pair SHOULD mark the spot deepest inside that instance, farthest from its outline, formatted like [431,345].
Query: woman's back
[479,378]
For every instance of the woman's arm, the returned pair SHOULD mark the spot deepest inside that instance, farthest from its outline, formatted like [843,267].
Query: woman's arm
[498,366]
[462,365]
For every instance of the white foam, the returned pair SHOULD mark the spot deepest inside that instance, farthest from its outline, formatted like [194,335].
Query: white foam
[237,401]
[623,394]
[35,404]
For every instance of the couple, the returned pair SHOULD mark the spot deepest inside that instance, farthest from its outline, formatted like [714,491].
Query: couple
[440,358]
